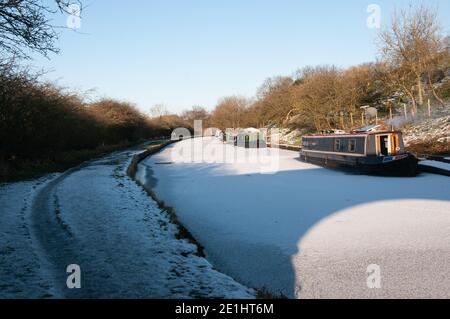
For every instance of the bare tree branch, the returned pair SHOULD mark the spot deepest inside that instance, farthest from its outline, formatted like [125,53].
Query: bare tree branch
[25,25]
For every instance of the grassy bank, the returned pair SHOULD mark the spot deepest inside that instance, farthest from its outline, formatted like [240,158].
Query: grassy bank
[23,169]
[430,148]
[132,170]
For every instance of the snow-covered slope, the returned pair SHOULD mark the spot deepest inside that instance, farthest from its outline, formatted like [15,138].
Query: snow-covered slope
[98,218]
[437,129]
[288,137]
[304,230]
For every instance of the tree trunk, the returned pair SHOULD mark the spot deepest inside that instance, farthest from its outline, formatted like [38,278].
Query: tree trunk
[413,101]
[434,91]
[411,96]
[288,116]
[419,88]
[317,124]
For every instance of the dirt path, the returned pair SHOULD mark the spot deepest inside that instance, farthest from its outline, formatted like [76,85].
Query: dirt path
[57,246]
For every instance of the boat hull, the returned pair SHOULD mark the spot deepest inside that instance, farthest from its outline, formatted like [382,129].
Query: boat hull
[401,165]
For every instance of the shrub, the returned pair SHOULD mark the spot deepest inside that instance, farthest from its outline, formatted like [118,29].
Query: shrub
[444,91]
[42,125]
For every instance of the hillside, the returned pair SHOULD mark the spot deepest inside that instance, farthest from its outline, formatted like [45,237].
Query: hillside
[429,136]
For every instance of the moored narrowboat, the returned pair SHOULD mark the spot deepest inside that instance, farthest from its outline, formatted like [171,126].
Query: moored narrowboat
[366,150]
[248,138]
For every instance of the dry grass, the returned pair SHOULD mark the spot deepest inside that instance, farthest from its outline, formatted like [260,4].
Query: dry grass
[431,147]
[263,293]
[28,168]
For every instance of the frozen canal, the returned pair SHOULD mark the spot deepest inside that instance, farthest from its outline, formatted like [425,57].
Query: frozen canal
[306,231]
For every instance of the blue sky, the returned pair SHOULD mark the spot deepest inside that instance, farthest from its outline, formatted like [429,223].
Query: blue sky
[193,52]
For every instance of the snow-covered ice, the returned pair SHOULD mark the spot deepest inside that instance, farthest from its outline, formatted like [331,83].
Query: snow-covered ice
[98,218]
[437,164]
[305,231]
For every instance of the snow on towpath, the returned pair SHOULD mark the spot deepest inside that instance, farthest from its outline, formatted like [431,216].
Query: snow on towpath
[306,231]
[96,217]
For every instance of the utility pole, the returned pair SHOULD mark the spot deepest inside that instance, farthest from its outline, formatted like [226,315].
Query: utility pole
[406,111]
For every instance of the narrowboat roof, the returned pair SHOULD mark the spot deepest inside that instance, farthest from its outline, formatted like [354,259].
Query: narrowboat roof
[362,134]
[370,128]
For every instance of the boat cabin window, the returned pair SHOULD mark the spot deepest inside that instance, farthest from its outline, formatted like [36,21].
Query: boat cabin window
[352,146]
[337,145]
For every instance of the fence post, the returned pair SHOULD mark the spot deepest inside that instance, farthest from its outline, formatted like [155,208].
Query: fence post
[429,108]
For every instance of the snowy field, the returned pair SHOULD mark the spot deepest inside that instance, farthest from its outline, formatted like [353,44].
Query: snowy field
[96,217]
[305,231]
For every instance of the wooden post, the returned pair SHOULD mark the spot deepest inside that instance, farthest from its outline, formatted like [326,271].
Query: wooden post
[362,119]
[390,116]
[429,108]
[406,111]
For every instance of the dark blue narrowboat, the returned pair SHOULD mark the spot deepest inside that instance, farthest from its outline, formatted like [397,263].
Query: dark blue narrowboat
[367,151]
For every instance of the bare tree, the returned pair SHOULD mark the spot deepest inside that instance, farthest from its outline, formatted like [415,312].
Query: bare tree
[158,111]
[25,25]
[414,44]
[276,101]
[195,113]
[231,112]
[320,96]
